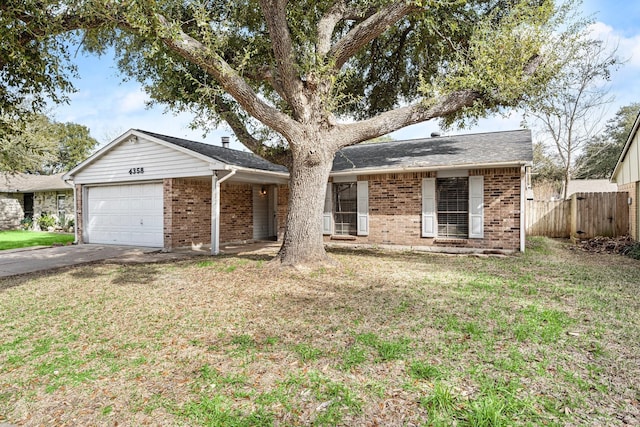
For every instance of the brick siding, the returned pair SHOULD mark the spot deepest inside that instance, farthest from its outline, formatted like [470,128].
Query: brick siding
[283,204]
[236,212]
[187,212]
[395,211]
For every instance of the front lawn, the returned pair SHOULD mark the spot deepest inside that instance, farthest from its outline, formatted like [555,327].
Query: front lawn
[551,337]
[22,239]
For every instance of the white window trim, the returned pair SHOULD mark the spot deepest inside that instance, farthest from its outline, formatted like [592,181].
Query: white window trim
[476,207]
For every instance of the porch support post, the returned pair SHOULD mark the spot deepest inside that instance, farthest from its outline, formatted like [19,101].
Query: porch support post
[215,209]
[215,215]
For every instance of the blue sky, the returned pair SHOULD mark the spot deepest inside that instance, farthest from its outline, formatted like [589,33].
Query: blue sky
[110,107]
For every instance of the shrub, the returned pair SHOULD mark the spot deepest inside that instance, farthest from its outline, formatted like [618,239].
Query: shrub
[26,223]
[632,251]
[45,221]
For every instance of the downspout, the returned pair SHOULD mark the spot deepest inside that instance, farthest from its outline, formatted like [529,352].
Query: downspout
[75,211]
[215,210]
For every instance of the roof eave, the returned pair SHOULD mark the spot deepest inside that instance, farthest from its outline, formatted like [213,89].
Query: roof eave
[254,171]
[408,169]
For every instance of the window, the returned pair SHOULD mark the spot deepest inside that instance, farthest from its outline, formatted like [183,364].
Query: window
[62,201]
[453,207]
[345,208]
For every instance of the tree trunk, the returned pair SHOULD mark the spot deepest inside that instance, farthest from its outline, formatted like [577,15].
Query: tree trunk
[303,245]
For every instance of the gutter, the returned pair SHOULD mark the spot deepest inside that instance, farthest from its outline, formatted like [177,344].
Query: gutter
[75,210]
[253,171]
[382,170]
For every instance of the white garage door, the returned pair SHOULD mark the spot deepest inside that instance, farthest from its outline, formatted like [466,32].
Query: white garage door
[129,214]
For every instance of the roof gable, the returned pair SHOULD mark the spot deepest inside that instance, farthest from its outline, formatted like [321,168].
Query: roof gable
[485,149]
[627,168]
[228,156]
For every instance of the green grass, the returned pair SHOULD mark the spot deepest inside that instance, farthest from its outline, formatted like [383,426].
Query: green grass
[549,337]
[24,239]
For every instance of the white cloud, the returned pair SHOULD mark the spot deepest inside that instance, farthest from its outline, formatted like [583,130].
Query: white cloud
[628,46]
[132,102]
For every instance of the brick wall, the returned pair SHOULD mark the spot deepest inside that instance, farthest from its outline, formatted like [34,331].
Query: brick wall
[236,212]
[632,189]
[283,203]
[187,212]
[395,210]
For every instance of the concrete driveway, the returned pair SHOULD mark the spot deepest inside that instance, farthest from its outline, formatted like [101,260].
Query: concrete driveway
[31,260]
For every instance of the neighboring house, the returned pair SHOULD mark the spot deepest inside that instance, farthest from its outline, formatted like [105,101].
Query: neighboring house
[627,176]
[590,186]
[444,193]
[29,196]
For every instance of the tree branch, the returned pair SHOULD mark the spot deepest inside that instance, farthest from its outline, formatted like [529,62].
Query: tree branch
[194,51]
[353,133]
[367,30]
[274,12]
[229,115]
[327,24]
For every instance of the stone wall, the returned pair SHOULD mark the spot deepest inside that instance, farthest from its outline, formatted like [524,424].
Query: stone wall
[46,202]
[11,212]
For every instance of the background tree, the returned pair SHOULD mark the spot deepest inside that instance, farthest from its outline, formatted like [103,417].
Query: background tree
[601,153]
[570,112]
[547,172]
[45,146]
[289,78]
[73,144]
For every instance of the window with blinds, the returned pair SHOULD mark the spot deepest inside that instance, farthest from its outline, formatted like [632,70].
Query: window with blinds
[453,207]
[345,203]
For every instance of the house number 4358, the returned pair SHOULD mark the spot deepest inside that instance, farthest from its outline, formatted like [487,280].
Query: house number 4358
[136,171]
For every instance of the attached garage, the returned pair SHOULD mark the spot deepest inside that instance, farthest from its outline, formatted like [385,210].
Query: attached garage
[152,190]
[127,214]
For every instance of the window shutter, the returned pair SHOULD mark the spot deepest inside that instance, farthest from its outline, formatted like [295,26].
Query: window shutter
[476,207]
[363,208]
[327,215]
[428,207]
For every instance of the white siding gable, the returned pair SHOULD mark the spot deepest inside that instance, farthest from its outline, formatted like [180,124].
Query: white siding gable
[631,165]
[141,160]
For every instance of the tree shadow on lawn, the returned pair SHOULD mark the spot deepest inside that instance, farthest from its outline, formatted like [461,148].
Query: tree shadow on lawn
[123,274]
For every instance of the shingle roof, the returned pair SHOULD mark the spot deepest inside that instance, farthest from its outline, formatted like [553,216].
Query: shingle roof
[29,183]
[472,149]
[224,155]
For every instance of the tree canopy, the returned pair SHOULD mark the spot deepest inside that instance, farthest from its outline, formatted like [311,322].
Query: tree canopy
[569,114]
[45,146]
[297,81]
[601,153]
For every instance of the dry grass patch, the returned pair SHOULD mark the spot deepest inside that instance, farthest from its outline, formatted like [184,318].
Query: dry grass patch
[550,337]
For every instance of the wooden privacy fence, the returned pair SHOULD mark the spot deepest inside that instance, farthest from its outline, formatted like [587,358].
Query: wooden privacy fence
[584,216]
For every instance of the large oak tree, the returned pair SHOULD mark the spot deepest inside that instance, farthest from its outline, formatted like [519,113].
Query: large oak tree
[298,80]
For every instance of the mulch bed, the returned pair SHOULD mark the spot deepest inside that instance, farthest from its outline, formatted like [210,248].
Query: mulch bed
[606,245]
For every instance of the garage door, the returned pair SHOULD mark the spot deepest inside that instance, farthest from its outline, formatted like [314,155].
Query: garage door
[129,214]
